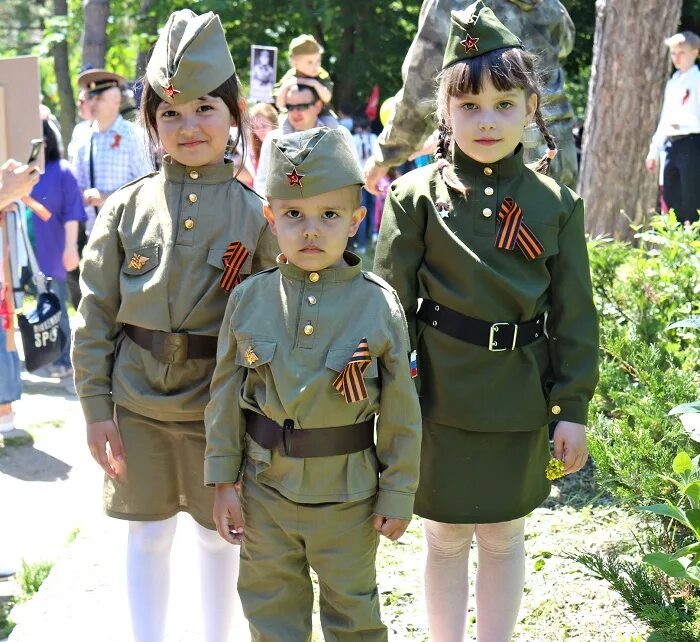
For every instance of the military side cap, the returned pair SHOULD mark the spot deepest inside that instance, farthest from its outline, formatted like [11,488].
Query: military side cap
[475,31]
[95,81]
[308,163]
[304,44]
[190,58]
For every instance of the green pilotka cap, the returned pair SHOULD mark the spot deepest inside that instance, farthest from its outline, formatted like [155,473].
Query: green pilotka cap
[475,31]
[308,163]
[190,58]
[304,44]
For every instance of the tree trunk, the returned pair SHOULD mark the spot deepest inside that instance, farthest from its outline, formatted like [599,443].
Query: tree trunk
[145,23]
[95,14]
[65,89]
[629,70]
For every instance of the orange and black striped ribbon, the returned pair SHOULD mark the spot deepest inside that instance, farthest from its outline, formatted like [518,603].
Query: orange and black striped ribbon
[234,257]
[514,231]
[351,382]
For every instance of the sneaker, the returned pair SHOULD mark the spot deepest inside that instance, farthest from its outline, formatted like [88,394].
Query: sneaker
[7,422]
[61,372]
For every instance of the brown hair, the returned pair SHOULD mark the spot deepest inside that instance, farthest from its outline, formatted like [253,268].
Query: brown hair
[229,91]
[269,113]
[510,68]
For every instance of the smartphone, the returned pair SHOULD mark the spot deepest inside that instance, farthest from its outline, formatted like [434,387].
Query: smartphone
[37,144]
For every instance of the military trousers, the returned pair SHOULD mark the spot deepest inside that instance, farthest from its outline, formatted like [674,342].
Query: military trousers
[682,177]
[283,539]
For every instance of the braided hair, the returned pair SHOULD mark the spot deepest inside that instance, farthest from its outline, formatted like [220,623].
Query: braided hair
[508,68]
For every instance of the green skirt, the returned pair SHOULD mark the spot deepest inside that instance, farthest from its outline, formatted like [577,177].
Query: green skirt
[469,477]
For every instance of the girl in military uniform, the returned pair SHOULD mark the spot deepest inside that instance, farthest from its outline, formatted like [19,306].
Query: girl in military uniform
[164,254]
[506,334]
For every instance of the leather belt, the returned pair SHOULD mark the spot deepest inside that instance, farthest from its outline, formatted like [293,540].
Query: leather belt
[497,337]
[173,347]
[311,442]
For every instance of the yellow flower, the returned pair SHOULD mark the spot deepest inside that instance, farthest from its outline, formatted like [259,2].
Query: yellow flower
[555,469]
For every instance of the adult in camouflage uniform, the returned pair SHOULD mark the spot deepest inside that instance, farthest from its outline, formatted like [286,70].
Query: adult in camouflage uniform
[546,30]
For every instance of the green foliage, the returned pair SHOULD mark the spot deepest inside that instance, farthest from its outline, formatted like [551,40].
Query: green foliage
[6,624]
[645,368]
[32,577]
[673,618]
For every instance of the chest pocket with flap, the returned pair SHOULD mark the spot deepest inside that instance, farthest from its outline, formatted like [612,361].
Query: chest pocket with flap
[141,260]
[338,358]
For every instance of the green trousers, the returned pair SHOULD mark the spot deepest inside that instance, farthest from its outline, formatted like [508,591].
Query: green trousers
[282,540]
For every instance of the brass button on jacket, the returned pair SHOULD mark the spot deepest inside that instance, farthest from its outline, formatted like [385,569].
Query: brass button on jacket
[192,198]
[311,300]
[487,212]
[556,410]
[308,329]
[488,171]
[313,277]
[189,224]
[488,191]
[194,174]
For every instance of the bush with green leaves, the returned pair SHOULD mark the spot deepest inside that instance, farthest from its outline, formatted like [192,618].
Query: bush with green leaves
[646,369]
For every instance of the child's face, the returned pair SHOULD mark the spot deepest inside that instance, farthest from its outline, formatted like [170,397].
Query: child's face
[488,126]
[195,133]
[313,232]
[307,64]
[683,57]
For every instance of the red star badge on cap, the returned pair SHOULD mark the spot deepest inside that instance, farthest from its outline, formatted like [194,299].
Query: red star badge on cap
[295,177]
[469,43]
[170,91]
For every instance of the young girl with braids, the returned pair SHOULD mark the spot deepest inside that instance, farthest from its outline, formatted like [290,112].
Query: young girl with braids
[506,333]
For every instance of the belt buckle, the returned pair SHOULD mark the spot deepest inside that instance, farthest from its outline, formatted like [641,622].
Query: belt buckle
[493,342]
[169,347]
[287,436]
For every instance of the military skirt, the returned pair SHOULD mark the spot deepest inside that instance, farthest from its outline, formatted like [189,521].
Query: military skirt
[164,471]
[469,477]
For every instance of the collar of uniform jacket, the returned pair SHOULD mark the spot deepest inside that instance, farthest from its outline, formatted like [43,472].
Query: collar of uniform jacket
[205,174]
[330,274]
[467,167]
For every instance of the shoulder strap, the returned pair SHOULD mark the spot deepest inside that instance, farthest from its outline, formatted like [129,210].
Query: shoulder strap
[39,277]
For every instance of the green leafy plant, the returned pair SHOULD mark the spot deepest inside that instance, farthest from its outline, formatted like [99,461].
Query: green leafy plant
[32,577]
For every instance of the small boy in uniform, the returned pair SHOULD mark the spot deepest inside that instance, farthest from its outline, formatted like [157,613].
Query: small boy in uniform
[310,352]
[678,132]
[305,59]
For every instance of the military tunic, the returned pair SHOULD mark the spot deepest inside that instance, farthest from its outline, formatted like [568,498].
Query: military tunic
[491,407]
[546,30]
[177,223]
[301,329]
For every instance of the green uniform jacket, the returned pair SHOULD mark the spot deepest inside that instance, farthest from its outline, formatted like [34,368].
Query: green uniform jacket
[450,257]
[181,220]
[292,379]
[323,77]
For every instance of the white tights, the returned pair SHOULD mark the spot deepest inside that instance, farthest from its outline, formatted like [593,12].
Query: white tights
[500,578]
[148,580]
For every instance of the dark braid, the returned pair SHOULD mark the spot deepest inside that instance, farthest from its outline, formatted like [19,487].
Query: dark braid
[544,162]
[442,155]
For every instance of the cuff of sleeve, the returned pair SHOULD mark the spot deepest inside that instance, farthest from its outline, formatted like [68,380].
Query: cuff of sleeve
[97,408]
[394,504]
[221,470]
[574,411]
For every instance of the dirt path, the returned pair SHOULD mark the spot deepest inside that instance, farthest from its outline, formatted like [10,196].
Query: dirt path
[50,490]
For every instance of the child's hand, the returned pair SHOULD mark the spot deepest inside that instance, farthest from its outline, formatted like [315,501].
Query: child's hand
[228,515]
[106,447]
[570,445]
[391,527]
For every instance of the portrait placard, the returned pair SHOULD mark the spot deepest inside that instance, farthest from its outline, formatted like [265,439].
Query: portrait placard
[263,72]
[20,97]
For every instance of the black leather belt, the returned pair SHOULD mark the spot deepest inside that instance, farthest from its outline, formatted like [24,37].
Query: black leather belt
[173,347]
[311,442]
[497,337]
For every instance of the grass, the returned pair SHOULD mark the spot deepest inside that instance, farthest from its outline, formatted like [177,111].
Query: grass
[29,580]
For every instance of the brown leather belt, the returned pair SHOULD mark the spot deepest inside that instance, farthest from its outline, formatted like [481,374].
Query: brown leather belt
[311,442]
[173,347]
